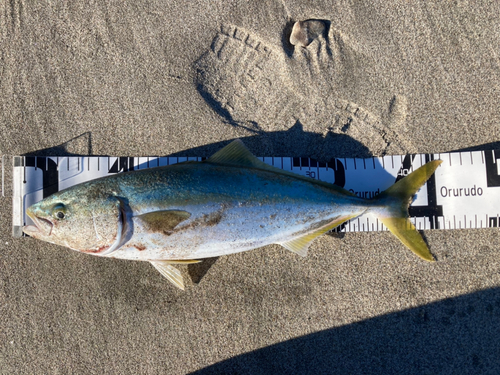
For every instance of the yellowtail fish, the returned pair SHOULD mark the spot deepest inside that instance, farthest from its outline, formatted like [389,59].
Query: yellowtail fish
[229,203]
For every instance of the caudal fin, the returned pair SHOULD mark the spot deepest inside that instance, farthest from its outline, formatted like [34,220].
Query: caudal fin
[395,216]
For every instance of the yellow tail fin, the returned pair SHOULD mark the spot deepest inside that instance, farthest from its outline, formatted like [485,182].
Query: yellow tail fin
[395,217]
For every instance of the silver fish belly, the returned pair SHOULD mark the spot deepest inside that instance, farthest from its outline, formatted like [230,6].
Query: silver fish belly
[231,210]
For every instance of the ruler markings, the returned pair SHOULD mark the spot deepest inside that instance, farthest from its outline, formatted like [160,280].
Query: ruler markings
[456,193]
[24,170]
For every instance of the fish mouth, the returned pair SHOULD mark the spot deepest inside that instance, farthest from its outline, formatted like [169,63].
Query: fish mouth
[42,227]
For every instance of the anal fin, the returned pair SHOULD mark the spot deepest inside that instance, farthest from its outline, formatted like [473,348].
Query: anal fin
[301,244]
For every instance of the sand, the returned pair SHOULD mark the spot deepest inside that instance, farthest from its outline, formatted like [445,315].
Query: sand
[159,78]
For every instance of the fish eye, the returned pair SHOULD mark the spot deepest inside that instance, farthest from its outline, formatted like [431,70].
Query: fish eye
[59,211]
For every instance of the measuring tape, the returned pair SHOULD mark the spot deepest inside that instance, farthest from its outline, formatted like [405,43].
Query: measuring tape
[464,192]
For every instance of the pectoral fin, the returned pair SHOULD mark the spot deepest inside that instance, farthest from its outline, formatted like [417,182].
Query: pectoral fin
[301,244]
[170,272]
[162,221]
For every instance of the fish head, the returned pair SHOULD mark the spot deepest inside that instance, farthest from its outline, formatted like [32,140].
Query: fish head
[81,219]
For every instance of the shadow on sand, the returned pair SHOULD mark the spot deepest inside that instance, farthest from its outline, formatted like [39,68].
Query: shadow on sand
[292,142]
[455,336]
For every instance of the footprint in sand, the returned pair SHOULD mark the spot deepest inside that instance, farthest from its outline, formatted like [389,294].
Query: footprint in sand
[242,78]
[263,88]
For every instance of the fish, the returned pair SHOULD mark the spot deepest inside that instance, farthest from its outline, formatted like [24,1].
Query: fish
[228,203]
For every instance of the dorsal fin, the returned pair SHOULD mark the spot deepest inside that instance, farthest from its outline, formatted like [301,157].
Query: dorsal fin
[236,154]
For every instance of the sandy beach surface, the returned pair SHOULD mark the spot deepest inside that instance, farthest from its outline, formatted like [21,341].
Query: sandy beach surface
[361,78]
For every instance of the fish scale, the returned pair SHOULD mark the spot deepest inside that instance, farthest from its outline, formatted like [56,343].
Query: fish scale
[256,208]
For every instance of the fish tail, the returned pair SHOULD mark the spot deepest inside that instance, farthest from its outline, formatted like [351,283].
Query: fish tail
[394,214]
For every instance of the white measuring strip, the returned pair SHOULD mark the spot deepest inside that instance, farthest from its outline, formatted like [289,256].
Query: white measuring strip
[463,193]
